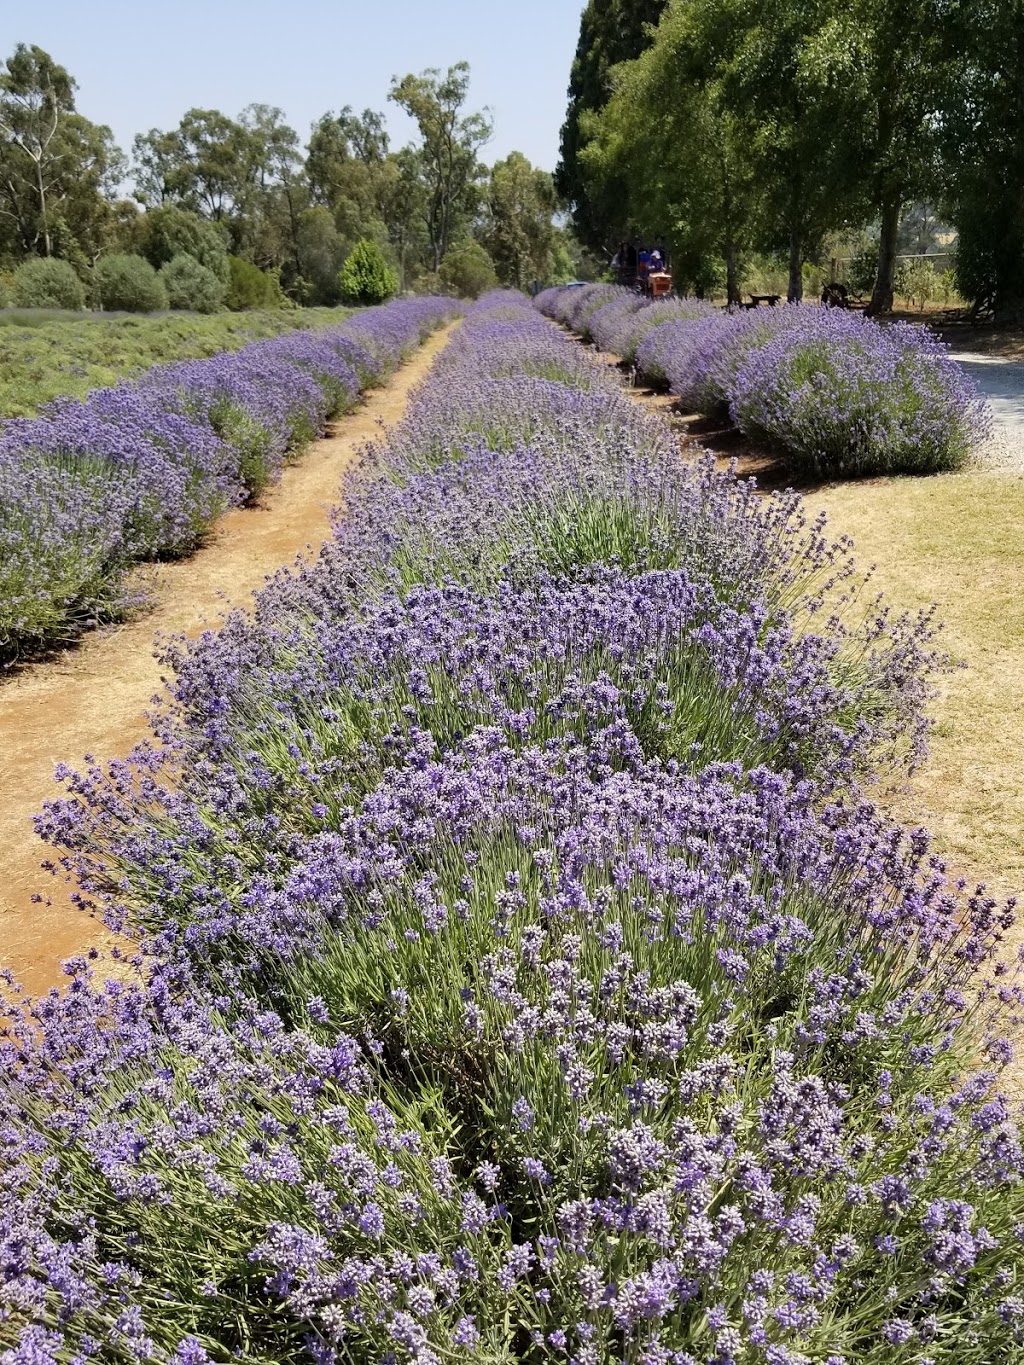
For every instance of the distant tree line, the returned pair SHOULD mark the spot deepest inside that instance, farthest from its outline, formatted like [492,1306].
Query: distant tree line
[731,127]
[239,210]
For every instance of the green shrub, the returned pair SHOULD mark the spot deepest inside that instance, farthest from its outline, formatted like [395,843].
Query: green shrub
[168,232]
[44,282]
[190,285]
[468,271]
[128,284]
[249,287]
[366,276]
[6,291]
[428,283]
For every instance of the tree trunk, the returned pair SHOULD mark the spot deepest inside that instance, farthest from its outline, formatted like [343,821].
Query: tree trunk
[881,295]
[42,207]
[795,291]
[732,275]
[1009,272]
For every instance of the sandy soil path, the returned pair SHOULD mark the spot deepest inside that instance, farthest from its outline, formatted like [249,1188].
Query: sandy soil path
[1002,382]
[93,699]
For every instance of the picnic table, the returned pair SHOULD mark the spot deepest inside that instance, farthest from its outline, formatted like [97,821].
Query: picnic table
[770,299]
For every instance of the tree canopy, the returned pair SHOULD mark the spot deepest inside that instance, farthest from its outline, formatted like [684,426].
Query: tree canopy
[737,126]
[237,194]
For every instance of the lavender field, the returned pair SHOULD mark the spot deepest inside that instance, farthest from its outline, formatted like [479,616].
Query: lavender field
[523,973]
[833,392]
[144,469]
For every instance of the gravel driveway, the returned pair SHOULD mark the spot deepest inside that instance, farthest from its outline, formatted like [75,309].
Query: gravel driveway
[1002,383]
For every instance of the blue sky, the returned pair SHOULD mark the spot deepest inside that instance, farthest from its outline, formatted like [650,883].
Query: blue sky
[140,66]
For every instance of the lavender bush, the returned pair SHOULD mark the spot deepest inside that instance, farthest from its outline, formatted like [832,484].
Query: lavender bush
[143,470]
[651,319]
[835,392]
[843,397]
[523,975]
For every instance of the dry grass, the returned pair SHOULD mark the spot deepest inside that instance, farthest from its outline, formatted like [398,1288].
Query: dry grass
[957,540]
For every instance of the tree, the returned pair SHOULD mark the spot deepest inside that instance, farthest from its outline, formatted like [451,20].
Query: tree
[520,233]
[700,195]
[366,277]
[467,270]
[204,164]
[785,80]
[36,97]
[611,31]
[311,275]
[450,143]
[345,166]
[402,200]
[161,169]
[262,223]
[166,232]
[983,143]
[57,169]
[896,81]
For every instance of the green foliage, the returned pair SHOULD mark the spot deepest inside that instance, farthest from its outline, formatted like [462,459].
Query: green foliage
[249,287]
[43,282]
[366,277]
[450,142]
[917,282]
[128,284]
[468,271]
[738,128]
[191,286]
[611,31]
[520,235]
[864,267]
[701,199]
[57,170]
[984,153]
[167,232]
[44,356]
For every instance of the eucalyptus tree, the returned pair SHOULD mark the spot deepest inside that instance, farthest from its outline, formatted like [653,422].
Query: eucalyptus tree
[519,232]
[450,143]
[57,170]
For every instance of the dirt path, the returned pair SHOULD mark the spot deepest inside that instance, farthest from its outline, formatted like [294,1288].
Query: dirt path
[1002,382]
[93,699]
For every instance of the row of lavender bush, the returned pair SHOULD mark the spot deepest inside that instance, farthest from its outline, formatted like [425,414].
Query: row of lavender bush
[523,975]
[143,470]
[834,392]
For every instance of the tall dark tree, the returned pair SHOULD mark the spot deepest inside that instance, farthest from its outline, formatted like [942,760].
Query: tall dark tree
[611,31]
[897,74]
[984,152]
[787,82]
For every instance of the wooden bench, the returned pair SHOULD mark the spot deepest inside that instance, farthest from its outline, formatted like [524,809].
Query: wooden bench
[770,299]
